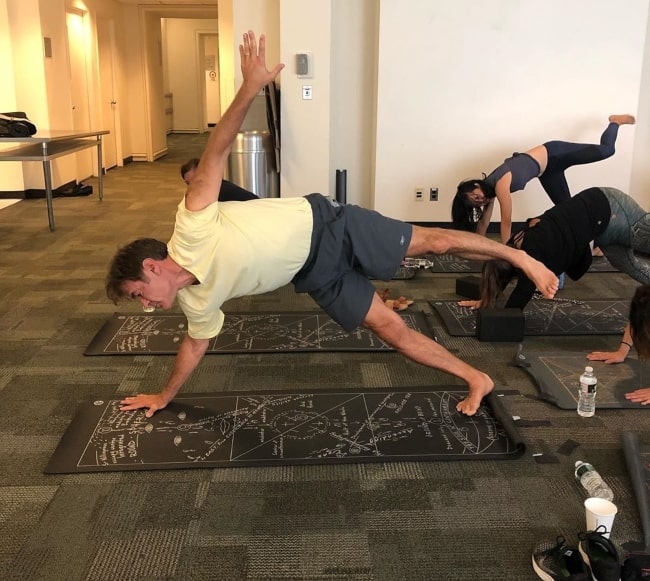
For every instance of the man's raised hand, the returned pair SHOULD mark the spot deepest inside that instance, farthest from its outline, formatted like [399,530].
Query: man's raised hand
[253,61]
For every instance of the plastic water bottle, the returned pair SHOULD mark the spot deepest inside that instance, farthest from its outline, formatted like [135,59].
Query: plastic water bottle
[592,482]
[587,393]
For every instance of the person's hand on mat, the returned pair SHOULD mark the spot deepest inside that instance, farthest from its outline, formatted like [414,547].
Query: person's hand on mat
[608,357]
[153,403]
[474,305]
[641,396]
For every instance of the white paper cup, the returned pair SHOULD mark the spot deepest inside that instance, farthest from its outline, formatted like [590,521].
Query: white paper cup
[600,512]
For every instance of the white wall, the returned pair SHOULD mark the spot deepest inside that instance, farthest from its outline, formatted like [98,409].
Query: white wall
[305,124]
[640,183]
[448,96]
[456,95]
[353,97]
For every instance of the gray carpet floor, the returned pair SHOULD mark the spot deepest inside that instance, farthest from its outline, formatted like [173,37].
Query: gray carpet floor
[395,521]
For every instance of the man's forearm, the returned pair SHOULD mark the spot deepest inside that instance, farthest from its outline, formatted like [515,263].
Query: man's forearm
[189,356]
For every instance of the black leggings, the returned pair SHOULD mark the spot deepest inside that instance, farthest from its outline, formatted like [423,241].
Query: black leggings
[563,155]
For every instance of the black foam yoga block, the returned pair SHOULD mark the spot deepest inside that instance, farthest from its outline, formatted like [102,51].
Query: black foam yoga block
[500,325]
[469,287]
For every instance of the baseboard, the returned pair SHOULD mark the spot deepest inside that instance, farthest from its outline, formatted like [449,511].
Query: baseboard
[161,153]
[18,195]
[127,160]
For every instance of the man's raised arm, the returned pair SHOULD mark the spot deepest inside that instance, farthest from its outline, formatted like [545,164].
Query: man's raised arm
[204,187]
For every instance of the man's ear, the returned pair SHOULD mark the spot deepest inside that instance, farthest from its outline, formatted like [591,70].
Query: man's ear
[149,265]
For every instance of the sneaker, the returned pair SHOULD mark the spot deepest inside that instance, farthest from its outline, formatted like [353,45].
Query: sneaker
[601,555]
[556,562]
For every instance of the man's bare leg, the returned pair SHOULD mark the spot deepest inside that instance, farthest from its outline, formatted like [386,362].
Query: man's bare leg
[390,327]
[473,246]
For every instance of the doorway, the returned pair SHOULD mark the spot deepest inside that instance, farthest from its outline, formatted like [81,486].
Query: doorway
[209,93]
[111,150]
[79,83]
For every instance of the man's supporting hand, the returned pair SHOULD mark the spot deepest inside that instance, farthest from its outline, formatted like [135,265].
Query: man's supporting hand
[152,402]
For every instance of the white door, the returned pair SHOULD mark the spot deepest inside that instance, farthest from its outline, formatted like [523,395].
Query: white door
[212,105]
[75,23]
[108,93]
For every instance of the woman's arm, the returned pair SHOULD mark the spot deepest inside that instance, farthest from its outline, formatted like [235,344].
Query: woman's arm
[502,190]
[617,356]
[484,222]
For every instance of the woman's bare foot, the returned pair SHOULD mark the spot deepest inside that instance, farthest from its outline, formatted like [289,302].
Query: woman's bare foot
[477,391]
[595,251]
[622,119]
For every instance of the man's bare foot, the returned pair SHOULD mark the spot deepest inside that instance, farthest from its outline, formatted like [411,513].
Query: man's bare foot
[477,391]
[595,251]
[622,119]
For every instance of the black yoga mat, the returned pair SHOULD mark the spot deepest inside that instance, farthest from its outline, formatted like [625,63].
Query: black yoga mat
[162,333]
[451,263]
[547,317]
[281,428]
[557,378]
[637,459]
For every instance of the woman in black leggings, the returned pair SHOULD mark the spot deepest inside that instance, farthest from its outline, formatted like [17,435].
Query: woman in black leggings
[474,201]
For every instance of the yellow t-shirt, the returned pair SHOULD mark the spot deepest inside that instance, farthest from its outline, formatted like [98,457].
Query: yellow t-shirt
[236,249]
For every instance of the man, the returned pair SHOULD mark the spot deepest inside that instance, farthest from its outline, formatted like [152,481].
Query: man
[223,250]
[228,192]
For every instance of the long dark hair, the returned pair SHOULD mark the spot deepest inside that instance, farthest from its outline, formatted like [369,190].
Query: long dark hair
[640,320]
[464,215]
[496,275]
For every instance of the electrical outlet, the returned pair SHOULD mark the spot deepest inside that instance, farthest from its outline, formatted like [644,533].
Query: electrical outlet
[433,194]
[419,194]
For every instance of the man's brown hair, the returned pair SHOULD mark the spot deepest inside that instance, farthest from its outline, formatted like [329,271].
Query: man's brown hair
[127,264]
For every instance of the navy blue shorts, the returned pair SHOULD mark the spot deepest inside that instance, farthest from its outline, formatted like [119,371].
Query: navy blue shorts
[348,245]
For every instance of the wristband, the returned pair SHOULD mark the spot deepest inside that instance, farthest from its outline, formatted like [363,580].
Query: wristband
[626,343]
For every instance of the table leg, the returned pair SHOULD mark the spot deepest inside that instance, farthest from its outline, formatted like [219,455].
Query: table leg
[100,169]
[47,172]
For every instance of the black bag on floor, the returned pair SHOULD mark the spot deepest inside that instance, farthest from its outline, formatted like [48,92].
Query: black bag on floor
[73,190]
[16,124]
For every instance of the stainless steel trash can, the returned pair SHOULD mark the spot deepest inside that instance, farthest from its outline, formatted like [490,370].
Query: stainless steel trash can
[251,164]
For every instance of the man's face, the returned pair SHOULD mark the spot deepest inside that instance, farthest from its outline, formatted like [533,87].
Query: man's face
[189,175]
[155,291]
